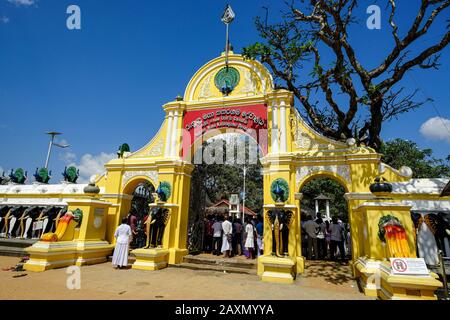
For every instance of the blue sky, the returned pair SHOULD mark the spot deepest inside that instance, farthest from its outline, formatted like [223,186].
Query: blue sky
[105,84]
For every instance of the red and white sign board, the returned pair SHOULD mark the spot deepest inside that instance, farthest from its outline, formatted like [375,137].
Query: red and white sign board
[409,266]
[251,119]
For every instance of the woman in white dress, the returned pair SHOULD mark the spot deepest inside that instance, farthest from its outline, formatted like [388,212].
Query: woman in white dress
[123,237]
[250,240]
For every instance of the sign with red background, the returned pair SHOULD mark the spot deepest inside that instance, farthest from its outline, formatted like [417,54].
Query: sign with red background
[247,119]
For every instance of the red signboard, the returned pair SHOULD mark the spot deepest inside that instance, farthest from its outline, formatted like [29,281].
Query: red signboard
[251,120]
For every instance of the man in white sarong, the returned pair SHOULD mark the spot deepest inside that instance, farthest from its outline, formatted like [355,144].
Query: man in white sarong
[123,237]
[227,228]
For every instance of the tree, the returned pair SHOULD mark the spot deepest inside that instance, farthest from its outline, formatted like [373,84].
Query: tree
[359,98]
[398,153]
[330,188]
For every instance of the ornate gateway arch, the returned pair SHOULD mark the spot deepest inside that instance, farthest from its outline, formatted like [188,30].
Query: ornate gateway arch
[241,97]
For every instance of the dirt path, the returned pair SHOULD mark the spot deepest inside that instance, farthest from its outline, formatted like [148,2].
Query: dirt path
[103,282]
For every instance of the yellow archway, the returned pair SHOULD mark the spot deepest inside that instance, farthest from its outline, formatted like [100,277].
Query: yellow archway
[295,153]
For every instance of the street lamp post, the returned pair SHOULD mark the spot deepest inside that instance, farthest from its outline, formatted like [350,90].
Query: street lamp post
[52,143]
[243,196]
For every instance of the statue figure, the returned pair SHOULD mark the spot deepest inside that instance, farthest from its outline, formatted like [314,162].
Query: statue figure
[29,216]
[280,222]
[124,149]
[4,217]
[285,219]
[18,176]
[155,226]
[71,174]
[4,180]
[42,175]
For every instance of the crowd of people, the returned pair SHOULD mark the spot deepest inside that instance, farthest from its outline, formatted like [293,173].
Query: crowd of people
[229,236]
[323,239]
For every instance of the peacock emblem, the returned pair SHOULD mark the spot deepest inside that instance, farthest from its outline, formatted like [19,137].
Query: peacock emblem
[279,190]
[164,191]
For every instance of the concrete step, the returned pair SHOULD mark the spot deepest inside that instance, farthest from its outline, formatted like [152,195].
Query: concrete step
[241,263]
[17,243]
[12,251]
[216,268]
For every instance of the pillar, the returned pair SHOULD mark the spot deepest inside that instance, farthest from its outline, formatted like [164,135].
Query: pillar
[283,126]
[317,205]
[274,128]
[174,134]
[327,204]
[167,150]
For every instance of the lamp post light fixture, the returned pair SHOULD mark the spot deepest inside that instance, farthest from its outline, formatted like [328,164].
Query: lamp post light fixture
[53,134]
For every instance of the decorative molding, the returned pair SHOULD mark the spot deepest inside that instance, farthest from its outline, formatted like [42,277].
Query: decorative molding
[151,174]
[156,150]
[341,170]
[304,140]
[249,86]
[205,89]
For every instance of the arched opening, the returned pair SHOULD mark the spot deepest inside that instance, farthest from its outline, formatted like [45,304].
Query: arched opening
[141,192]
[324,219]
[226,182]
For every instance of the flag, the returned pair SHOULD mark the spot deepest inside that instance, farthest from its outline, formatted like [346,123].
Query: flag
[228,15]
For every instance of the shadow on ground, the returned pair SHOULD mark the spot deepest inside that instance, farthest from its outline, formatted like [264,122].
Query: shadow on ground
[338,273]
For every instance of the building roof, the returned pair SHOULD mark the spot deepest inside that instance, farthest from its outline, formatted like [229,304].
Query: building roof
[322,197]
[224,202]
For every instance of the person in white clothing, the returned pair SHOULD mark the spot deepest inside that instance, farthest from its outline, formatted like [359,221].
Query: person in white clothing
[250,239]
[227,228]
[123,237]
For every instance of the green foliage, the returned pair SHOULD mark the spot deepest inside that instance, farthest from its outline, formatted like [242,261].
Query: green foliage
[399,152]
[256,50]
[330,188]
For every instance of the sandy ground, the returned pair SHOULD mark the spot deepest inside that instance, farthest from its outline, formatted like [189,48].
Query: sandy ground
[321,281]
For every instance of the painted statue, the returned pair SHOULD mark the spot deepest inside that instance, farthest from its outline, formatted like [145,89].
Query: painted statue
[155,226]
[63,225]
[71,174]
[5,212]
[15,217]
[42,175]
[392,232]
[19,176]
[432,231]
[26,222]
[280,222]
[442,234]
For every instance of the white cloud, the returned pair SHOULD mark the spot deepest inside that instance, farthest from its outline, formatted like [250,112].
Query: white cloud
[4,19]
[22,2]
[68,157]
[90,165]
[436,128]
